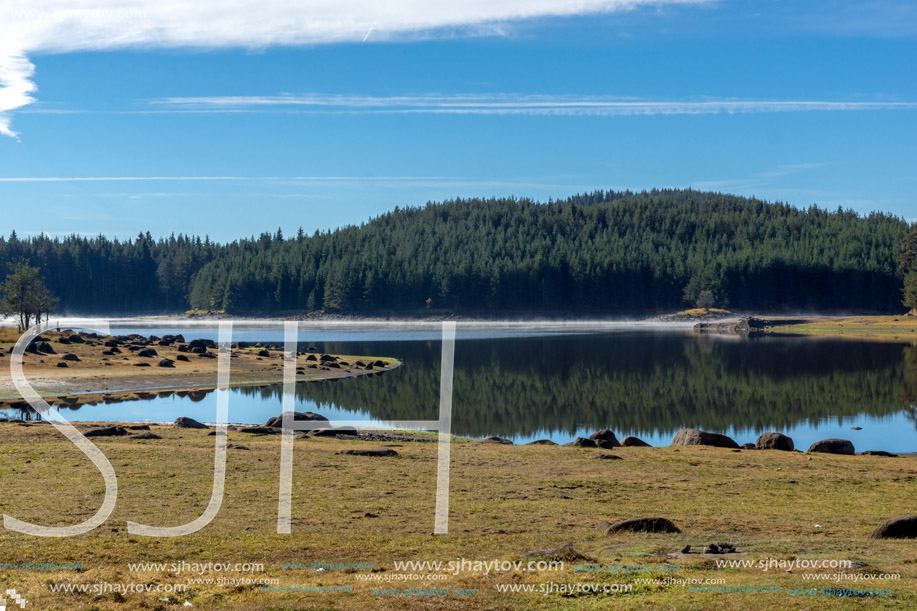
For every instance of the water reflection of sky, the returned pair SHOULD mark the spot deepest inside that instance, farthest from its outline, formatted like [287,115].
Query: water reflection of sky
[894,433]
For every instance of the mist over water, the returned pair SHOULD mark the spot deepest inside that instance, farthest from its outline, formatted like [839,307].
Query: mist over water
[558,380]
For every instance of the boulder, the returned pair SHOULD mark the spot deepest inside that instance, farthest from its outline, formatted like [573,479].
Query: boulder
[261,430]
[582,442]
[166,363]
[145,435]
[634,442]
[878,453]
[720,548]
[69,356]
[903,527]
[148,352]
[541,442]
[62,364]
[264,353]
[183,422]
[606,436]
[183,357]
[277,421]
[833,446]
[607,457]
[775,441]
[749,446]
[106,431]
[652,525]
[333,432]
[696,437]
[370,452]
[46,348]
[493,439]
[76,339]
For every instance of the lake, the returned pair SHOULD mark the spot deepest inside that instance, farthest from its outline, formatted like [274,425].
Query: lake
[557,381]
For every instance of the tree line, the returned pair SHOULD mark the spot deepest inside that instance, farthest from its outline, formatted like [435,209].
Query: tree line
[604,251]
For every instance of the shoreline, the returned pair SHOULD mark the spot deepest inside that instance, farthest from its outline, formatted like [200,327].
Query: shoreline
[72,369]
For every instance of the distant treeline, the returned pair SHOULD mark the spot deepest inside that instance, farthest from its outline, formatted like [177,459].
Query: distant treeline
[605,251]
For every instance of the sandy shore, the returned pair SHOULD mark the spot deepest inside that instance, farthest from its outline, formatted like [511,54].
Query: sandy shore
[127,370]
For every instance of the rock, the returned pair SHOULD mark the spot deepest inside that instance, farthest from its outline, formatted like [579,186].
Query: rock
[749,446]
[75,339]
[63,340]
[696,437]
[148,352]
[333,432]
[45,347]
[878,453]
[166,363]
[607,457]
[261,430]
[902,527]
[141,364]
[311,357]
[563,553]
[370,452]
[277,421]
[202,343]
[138,427]
[183,357]
[235,446]
[856,428]
[264,353]
[62,364]
[654,525]
[105,431]
[634,442]
[607,436]
[833,446]
[541,442]
[378,364]
[582,442]
[775,441]
[145,435]
[720,548]
[69,356]
[183,422]
[686,549]
[494,440]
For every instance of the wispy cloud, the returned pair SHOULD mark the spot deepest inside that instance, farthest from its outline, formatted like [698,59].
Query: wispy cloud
[508,104]
[29,27]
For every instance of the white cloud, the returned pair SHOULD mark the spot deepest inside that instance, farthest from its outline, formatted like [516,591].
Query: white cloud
[16,88]
[509,104]
[29,27]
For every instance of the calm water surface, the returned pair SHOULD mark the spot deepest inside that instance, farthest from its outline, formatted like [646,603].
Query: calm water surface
[558,382]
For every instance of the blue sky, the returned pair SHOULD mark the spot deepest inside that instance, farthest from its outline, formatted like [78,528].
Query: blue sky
[808,102]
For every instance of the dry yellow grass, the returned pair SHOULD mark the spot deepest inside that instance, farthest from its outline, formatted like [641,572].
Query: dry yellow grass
[506,500]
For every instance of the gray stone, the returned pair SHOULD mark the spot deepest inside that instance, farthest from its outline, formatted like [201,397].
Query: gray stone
[607,436]
[696,437]
[775,441]
[105,431]
[655,525]
[370,452]
[833,446]
[277,421]
[183,422]
[902,527]
[494,440]
[634,442]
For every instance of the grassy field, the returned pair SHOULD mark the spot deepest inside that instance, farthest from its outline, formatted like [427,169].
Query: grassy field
[505,501]
[876,328]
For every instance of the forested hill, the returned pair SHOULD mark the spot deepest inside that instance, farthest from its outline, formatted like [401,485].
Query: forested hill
[600,252]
